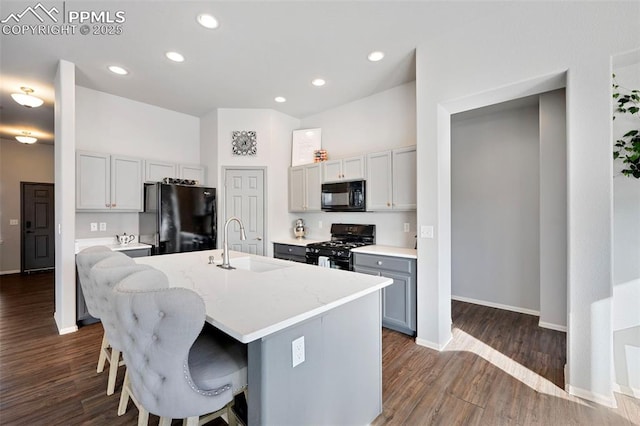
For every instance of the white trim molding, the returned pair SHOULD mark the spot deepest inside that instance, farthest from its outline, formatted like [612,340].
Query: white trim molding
[17,271]
[432,345]
[497,305]
[550,326]
[607,401]
[626,390]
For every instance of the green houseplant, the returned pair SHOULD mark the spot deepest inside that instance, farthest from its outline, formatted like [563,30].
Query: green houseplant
[627,148]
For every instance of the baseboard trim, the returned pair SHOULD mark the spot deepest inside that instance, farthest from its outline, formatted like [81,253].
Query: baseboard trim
[16,271]
[626,390]
[607,401]
[65,330]
[496,305]
[551,326]
[431,345]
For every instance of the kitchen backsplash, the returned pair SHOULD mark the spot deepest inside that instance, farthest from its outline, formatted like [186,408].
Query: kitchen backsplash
[116,223]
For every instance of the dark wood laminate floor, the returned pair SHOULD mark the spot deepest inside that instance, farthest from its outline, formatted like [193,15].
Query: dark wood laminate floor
[500,369]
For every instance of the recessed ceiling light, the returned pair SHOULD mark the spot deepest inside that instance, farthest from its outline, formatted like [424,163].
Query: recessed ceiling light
[375,56]
[118,70]
[208,21]
[280,99]
[175,56]
[26,137]
[318,82]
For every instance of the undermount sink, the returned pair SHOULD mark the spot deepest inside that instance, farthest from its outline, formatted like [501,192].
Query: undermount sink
[255,265]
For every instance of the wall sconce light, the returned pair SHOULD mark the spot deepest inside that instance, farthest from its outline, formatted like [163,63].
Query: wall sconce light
[26,138]
[26,98]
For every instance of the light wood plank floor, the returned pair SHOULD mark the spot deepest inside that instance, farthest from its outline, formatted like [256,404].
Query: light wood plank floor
[500,369]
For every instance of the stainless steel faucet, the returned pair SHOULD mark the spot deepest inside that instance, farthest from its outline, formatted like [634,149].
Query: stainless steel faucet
[225,242]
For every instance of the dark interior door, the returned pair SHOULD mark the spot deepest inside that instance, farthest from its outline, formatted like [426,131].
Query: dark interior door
[38,243]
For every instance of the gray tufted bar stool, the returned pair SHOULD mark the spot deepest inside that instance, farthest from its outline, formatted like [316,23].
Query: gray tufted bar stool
[104,275]
[85,260]
[175,369]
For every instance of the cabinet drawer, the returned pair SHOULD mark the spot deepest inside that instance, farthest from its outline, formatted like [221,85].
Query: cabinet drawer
[289,250]
[388,263]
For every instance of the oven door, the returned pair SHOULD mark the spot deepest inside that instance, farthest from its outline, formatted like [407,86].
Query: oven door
[344,196]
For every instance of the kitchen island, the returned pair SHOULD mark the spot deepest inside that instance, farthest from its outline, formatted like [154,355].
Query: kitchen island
[268,304]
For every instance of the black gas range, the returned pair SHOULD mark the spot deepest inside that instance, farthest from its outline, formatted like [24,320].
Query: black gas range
[336,253]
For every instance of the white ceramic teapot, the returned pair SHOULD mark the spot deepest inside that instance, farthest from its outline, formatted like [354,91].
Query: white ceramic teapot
[125,239]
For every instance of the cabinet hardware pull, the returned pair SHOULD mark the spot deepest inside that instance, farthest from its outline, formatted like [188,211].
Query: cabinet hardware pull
[388,204]
[107,205]
[379,262]
[113,205]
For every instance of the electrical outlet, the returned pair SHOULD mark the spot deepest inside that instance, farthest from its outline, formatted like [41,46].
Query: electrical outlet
[406,227]
[426,231]
[319,224]
[13,222]
[103,226]
[94,226]
[297,351]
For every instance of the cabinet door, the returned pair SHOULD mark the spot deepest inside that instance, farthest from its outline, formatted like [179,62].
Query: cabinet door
[192,172]
[296,189]
[353,168]
[398,310]
[404,179]
[313,187]
[332,170]
[155,171]
[126,183]
[379,185]
[92,181]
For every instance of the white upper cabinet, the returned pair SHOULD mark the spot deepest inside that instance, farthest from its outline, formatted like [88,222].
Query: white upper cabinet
[405,194]
[352,168]
[379,185]
[304,188]
[391,180]
[155,171]
[192,172]
[108,182]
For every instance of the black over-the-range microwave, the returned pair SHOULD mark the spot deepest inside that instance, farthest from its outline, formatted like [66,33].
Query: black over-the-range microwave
[344,196]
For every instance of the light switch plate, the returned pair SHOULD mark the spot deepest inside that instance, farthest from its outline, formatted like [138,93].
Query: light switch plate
[103,226]
[426,231]
[94,226]
[297,351]
[13,221]
[406,227]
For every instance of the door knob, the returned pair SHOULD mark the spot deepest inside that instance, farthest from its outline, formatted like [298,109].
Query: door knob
[259,238]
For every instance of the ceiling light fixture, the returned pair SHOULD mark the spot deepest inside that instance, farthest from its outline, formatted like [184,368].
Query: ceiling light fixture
[26,138]
[375,56]
[118,70]
[208,21]
[174,56]
[280,99]
[318,82]
[27,99]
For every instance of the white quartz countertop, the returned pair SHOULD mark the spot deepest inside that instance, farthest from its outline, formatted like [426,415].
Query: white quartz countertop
[296,242]
[387,251]
[111,242]
[263,295]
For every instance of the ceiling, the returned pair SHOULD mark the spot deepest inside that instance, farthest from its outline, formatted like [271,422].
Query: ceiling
[260,50]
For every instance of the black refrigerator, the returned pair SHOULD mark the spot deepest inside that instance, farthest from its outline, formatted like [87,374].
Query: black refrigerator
[178,218]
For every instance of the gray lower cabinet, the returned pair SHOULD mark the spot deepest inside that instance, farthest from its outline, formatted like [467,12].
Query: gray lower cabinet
[82,313]
[289,252]
[398,299]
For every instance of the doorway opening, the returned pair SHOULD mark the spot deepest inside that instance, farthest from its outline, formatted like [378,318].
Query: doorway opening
[509,216]
[37,233]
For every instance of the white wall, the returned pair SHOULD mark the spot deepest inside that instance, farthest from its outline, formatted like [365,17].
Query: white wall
[18,163]
[553,210]
[512,50]
[273,151]
[117,125]
[376,123]
[495,231]
[626,254]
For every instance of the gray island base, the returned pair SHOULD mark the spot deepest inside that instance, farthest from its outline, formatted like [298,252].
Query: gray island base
[270,304]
